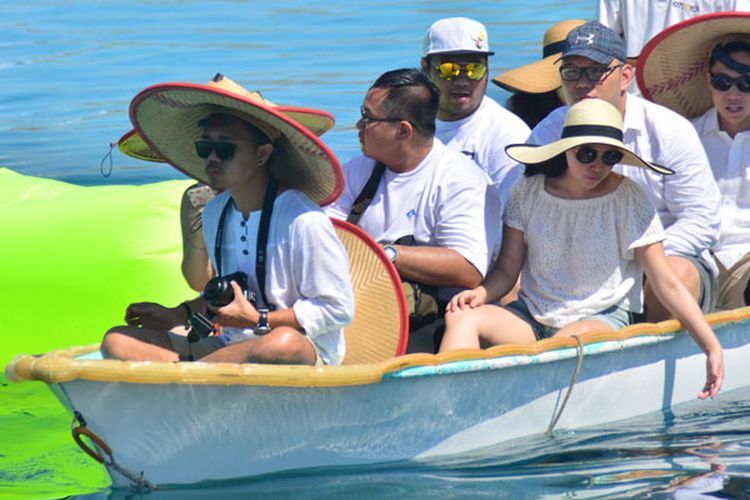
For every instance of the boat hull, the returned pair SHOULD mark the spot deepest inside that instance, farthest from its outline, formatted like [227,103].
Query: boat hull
[185,433]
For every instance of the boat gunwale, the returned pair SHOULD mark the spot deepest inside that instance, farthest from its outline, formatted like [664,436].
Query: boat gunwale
[59,366]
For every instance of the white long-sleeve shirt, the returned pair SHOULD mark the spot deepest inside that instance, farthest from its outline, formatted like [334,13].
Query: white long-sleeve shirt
[307,267]
[730,162]
[639,20]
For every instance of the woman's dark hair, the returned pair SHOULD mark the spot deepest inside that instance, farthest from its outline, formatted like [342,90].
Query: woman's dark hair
[554,167]
[411,97]
[533,108]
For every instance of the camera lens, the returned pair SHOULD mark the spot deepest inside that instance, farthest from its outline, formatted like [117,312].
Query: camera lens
[219,292]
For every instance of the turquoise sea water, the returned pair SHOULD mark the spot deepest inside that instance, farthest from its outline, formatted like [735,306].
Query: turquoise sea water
[67,73]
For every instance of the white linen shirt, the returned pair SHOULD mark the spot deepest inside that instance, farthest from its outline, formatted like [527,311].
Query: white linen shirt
[446,201]
[482,136]
[307,267]
[687,201]
[581,261]
[639,20]
[730,162]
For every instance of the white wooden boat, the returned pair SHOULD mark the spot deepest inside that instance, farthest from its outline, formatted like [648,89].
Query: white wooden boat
[166,424]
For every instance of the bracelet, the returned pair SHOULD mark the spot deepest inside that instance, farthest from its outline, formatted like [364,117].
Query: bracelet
[188,312]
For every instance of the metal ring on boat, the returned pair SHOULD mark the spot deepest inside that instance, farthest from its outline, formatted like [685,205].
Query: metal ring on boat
[82,429]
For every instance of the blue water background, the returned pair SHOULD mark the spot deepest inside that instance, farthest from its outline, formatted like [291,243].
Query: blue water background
[68,71]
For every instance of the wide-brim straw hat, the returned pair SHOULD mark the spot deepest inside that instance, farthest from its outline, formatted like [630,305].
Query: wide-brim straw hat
[590,121]
[541,76]
[166,116]
[317,121]
[671,69]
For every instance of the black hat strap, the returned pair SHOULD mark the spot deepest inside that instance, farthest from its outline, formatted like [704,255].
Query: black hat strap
[587,130]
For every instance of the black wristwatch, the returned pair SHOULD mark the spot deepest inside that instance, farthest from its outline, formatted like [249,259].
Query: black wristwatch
[262,327]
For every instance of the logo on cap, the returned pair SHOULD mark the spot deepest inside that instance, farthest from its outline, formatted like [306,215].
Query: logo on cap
[588,39]
[479,40]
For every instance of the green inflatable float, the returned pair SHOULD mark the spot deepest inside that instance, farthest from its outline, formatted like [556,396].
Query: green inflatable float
[74,257]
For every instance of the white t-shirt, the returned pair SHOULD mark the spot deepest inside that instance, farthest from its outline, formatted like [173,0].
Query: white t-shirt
[688,201]
[581,261]
[639,20]
[730,162]
[307,267]
[482,136]
[447,201]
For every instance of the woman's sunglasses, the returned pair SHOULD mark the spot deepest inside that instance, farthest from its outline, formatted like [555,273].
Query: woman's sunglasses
[587,155]
[224,150]
[722,82]
[451,70]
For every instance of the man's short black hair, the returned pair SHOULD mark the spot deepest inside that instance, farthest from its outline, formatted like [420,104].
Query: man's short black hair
[728,49]
[411,96]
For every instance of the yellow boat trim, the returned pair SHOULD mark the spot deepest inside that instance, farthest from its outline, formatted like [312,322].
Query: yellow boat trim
[61,365]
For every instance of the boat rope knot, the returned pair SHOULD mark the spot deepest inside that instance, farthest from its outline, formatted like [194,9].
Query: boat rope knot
[79,428]
[579,362]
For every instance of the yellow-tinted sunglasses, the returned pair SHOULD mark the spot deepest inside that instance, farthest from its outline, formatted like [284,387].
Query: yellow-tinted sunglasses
[451,70]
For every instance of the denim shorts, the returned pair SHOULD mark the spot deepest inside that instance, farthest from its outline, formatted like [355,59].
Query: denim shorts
[616,317]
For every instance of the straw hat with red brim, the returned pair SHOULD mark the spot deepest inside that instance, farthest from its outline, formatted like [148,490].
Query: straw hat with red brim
[166,116]
[318,122]
[672,67]
[541,76]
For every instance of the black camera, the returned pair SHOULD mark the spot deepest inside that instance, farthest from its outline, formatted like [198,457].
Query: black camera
[219,292]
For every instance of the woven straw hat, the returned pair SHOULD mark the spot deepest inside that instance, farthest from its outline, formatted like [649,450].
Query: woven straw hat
[380,329]
[590,121]
[166,116]
[672,67]
[318,122]
[540,76]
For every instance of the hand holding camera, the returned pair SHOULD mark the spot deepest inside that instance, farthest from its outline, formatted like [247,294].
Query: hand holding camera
[226,297]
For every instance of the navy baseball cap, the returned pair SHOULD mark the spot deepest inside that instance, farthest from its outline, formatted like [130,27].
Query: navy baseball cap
[595,41]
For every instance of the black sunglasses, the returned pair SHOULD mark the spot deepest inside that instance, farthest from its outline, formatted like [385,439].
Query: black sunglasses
[722,82]
[224,150]
[593,74]
[587,155]
[366,120]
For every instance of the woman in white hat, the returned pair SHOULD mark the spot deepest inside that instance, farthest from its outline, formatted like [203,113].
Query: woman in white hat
[266,224]
[700,68]
[581,237]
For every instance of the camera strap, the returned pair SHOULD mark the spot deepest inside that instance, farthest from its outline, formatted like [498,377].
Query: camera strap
[262,240]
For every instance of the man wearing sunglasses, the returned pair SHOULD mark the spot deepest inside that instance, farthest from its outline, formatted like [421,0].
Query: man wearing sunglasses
[455,57]
[725,132]
[717,100]
[434,210]
[282,292]
[593,65]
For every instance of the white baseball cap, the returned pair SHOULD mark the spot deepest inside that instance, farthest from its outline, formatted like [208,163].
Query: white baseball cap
[456,35]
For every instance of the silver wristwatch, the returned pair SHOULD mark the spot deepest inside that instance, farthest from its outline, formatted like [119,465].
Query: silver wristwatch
[262,327]
[391,252]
